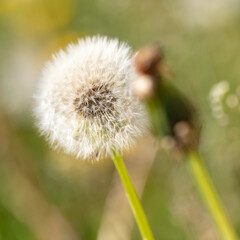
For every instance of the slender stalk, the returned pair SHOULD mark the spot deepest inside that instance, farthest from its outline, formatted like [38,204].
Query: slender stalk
[210,196]
[133,198]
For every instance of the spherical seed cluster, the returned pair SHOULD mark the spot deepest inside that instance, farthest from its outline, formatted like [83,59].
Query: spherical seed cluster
[84,102]
[216,97]
[224,101]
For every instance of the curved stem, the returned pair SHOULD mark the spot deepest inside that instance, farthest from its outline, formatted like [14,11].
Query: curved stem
[133,198]
[210,196]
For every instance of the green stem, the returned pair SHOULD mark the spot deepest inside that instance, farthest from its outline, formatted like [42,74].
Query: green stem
[133,198]
[210,196]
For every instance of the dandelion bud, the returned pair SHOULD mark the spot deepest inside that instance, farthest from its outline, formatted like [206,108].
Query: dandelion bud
[84,102]
[170,112]
[148,60]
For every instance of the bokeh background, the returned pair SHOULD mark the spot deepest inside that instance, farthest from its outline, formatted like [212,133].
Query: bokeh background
[47,195]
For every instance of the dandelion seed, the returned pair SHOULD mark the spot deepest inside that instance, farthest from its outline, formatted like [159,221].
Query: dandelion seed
[84,102]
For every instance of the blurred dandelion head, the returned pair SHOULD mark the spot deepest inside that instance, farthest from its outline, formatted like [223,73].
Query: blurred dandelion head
[224,102]
[84,102]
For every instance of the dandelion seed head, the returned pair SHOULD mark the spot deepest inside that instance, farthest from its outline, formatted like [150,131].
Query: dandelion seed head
[217,96]
[219,90]
[84,102]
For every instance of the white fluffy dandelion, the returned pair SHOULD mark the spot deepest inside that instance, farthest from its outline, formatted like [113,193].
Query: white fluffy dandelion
[84,102]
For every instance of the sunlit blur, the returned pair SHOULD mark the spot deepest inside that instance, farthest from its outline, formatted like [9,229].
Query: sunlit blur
[46,194]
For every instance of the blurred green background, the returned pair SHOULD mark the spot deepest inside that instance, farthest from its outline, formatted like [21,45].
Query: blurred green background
[47,195]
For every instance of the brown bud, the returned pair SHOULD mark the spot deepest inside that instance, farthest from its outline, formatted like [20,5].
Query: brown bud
[147,60]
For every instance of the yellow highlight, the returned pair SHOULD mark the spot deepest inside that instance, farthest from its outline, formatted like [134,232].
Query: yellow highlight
[37,17]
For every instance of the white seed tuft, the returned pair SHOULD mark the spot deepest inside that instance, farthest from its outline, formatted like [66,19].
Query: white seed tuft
[84,102]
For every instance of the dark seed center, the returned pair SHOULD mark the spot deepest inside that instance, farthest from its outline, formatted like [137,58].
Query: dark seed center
[95,102]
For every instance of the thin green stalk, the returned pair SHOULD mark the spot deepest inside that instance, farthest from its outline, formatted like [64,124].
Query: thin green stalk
[133,198]
[210,196]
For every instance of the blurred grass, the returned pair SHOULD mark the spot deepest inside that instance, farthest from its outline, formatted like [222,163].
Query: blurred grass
[200,55]
[12,228]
